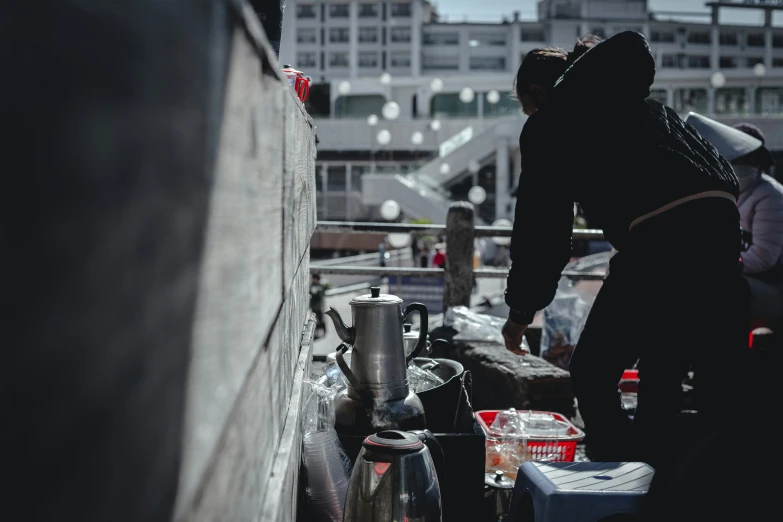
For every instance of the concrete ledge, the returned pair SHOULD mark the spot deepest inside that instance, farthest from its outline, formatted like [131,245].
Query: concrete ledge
[280,500]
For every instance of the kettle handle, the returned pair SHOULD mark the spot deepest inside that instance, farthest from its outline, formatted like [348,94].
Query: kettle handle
[352,380]
[438,459]
[423,328]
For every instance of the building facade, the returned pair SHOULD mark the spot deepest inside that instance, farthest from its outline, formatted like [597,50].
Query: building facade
[363,54]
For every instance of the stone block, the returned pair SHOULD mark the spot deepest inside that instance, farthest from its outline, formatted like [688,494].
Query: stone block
[502,379]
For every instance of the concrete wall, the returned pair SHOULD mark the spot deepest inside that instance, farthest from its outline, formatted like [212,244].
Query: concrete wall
[157,211]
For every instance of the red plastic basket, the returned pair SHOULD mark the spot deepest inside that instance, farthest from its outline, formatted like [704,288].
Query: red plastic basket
[566,445]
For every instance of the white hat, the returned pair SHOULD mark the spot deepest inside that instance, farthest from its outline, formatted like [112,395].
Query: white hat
[730,142]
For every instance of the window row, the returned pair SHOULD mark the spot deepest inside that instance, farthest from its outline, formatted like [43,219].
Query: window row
[365,10]
[309,35]
[682,61]
[475,63]
[498,63]
[365,59]
[728,101]
[444,105]
[724,38]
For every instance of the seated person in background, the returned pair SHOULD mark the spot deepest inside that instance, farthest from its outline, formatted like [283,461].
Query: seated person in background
[761,211]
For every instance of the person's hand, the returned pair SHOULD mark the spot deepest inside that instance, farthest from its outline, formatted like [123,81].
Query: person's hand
[512,334]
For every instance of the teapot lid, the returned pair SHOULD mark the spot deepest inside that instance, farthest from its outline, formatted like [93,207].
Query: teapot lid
[408,333]
[498,480]
[393,441]
[375,298]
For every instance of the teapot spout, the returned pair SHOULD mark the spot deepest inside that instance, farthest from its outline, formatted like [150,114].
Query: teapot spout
[344,332]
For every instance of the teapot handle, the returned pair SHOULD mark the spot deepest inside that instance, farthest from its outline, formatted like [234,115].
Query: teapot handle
[423,328]
[352,380]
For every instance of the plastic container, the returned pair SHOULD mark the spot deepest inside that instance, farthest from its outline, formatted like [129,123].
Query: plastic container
[565,447]
[629,382]
[299,82]
[327,475]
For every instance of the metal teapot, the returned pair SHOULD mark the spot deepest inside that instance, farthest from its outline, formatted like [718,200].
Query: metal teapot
[498,489]
[378,375]
[410,339]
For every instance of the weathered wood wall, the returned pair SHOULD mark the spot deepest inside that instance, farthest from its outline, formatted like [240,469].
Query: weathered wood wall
[157,207]
[242,438]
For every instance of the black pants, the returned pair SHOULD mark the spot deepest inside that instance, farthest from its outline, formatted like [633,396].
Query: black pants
[674,301]
[320,325]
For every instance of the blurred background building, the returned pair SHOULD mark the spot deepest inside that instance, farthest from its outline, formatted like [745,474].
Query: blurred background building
[416,108]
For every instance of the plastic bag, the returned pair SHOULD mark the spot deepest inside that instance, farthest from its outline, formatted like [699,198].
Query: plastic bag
[328,468]
[564,320]
[333,377]
[473,326]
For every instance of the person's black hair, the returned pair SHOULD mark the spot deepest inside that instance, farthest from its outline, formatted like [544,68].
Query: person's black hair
[540,67]
[582,45]
[544,66]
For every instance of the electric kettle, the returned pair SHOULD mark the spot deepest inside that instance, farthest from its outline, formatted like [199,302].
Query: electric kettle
[395,478]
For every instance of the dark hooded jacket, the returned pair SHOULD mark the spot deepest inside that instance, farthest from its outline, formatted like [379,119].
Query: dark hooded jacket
[600,142]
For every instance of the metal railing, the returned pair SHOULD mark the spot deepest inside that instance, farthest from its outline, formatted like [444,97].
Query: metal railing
[491,273]
[358,227]
[354,227]
[350,289]
[394,255]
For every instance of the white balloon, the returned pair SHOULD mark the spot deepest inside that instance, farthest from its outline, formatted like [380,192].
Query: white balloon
[399,240]
[474,166]
[436,85]
[435,125]
[760,69]
[466,95]
[383,137]
[390,210]
[505,223]
[372,120]
[385,78]
[477,195]
[493,96]
[444,168]
[344,88]
[417,138]
[390,110]
[718,80]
